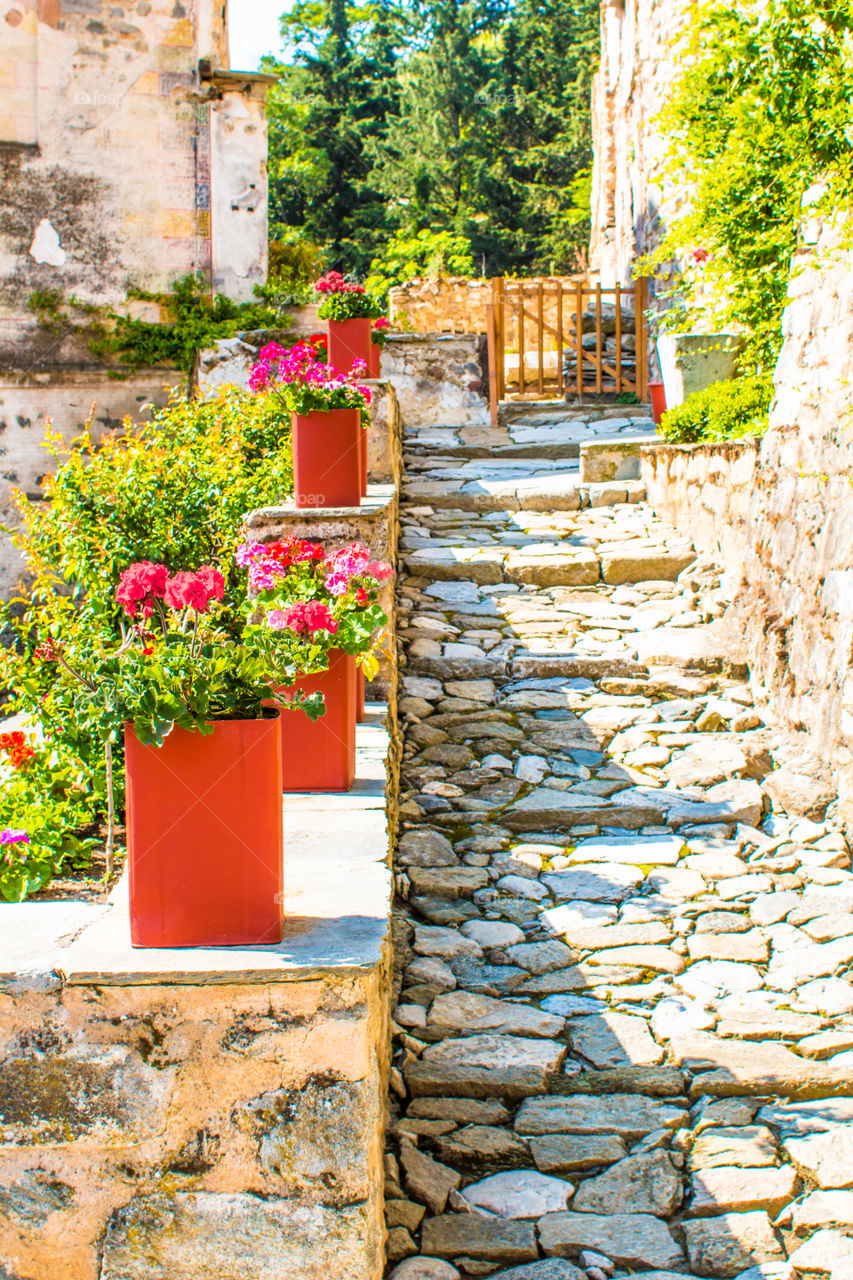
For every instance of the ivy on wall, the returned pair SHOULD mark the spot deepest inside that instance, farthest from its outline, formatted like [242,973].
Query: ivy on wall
[760,112]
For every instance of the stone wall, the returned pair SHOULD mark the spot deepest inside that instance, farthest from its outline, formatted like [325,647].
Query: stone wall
[456,304]
[781,513]
[438,379]
[65,399]
[637,65]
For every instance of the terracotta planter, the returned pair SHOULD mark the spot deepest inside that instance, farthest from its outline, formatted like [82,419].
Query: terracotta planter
[349,340]
[359,695]
[319,755]
[657,395]
[327,458]
[362,461]
[374,363]
[204,832]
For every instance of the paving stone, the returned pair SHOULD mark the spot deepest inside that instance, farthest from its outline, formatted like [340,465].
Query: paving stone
[568,1153]
[638,1184]
[492,1240]
[424,1269]
[447,882]
[751,1146]
[625,935]
[426,1179]
[444,943]
[541,957]
[726,1067]
[484,1144]
[802,1118]
[430,1079]
[629,1116]
[614,1039]
[488,979]
[827,1253]
[648,851]
[465,1011]
[826,1158]
[727,1245]
[594,882]
[632,1239]
[751,946]
[658,959]
[460,1110]
[823,1209]
[425,848]
[519,1194]
[495,1053]
[546,1269]
[726,1188]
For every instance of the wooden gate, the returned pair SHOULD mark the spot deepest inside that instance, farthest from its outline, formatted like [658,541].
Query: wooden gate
[549,338]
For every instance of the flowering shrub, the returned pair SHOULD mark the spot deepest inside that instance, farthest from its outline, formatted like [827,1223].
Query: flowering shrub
[343,300]
[317,601]
[48,815]
[304,384]
[379,332]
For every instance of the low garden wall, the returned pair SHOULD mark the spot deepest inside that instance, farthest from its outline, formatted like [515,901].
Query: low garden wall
[780,513]
[438,379]
[164,1111]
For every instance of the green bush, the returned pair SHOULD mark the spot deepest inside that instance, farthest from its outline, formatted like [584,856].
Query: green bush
[726,410]
[174,491]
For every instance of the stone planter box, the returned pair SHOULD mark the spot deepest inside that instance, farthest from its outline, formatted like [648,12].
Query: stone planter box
[692,361]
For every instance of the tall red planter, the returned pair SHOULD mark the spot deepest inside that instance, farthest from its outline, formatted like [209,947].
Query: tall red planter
[327,458]
[319,755]
[374,362]
[349,340]
[362,461]
[204,834]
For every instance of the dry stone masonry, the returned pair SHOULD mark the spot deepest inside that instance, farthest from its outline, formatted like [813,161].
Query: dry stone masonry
[624,1023]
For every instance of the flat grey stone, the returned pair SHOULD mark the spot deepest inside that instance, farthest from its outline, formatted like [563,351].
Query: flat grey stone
[520,1193]
[426,1179]
[797,1119]
[725,1189]
[466,1011]
[462,1235]
[727,1245]
[750,1147]
[629,1116]
[630,1239]
[497,1052]
[644,851]
[424,1269]
[639,1184]
[823,1209]
[594,882]
[826,1158]
[615,1039]
[425,848]
[546,1269]
[569,1153]
[484,1144]
[541,957]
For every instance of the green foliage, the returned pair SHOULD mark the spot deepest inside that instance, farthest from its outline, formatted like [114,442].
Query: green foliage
[194,321]
[47,796]
[294,266]
[760,112]
[460,118]
[422,253]
[174,490]
[726,410]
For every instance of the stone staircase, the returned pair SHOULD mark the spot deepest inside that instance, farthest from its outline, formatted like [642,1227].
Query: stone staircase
[623,1040]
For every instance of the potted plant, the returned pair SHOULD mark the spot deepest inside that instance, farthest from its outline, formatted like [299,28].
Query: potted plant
[192,688]
[348,310]
[378,338]
[324,608]
[329,417]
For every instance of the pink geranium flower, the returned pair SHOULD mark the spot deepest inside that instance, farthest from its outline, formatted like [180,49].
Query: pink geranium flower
[187,590]
[142,584]
[310,616]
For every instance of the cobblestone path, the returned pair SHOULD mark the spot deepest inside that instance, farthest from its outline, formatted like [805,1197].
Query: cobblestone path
[624,1028]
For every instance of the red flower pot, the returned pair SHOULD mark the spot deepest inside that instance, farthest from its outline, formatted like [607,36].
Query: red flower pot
[349,340]
[359,695]
[374,363]
[204,835]
[319,755]
[657,396]
[362,460]
[327,458]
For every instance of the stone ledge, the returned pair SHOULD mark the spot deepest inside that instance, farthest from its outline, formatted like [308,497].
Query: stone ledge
[335,923]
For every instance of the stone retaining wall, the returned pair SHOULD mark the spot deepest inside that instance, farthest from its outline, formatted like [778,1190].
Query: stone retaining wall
[198,1113]
[780,512]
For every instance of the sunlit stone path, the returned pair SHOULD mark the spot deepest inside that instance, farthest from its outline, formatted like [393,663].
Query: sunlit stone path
[624,1028]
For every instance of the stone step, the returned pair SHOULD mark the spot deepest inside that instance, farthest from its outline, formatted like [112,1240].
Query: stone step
[544,492]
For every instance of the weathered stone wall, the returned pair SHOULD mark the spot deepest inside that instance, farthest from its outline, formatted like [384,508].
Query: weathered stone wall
[455,304]
[113,152]
[439,379]
[64,399]
[781,513]
[152,1131]
[636,69]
